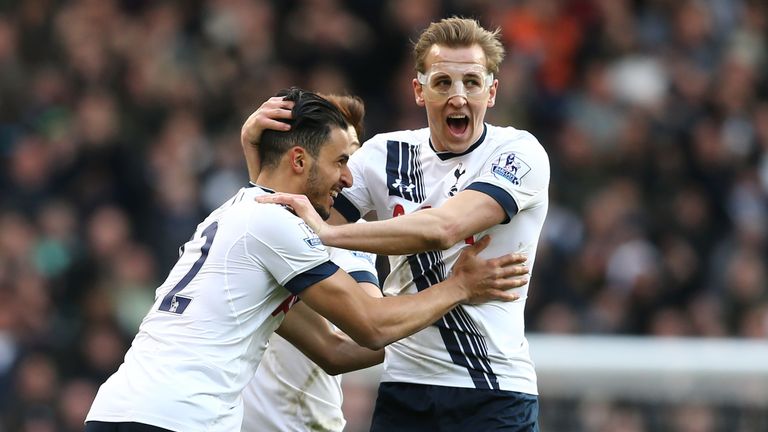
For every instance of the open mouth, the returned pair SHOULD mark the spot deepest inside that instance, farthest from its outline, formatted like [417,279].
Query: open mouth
[334,193]
[457,123]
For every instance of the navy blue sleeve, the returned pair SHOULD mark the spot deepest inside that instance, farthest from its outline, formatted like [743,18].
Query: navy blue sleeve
[500,195]
[365,276]
[346,208]
[310,277]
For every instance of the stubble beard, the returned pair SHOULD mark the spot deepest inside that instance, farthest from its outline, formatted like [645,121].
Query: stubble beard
[313,192]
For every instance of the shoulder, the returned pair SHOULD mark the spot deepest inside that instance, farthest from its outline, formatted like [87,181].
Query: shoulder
[509,139]
[272,220]
[410,136]
[374,152]
[509,135]
[516,157]
[280,230]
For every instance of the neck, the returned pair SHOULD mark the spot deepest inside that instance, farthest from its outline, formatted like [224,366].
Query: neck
[274,180]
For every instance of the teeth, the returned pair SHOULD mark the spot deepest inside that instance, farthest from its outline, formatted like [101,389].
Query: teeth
[457,116]
[334,194]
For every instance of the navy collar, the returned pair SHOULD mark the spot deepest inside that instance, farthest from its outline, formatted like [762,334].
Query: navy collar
[265,189]
[448,155]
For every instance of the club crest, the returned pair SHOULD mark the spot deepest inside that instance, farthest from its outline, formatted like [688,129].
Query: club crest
[458,172]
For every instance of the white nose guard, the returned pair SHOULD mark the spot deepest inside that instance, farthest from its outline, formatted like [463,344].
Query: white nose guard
[445,80]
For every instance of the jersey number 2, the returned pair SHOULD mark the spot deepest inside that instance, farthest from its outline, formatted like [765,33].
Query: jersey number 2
[173,302]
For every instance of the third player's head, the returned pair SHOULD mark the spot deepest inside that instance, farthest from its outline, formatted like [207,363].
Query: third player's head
[314,152]
[353,110]
[456,62]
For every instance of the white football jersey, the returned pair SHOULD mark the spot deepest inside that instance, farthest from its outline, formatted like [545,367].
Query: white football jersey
[200,343]
[399,173]
[289,391]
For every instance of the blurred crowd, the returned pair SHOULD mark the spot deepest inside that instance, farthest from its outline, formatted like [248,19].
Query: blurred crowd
[119,131]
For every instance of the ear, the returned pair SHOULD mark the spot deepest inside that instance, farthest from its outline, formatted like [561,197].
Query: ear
[492,93]
[418,92]
[297,159]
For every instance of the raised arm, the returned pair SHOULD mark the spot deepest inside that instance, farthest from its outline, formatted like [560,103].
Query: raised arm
[267,116]
[332,350]
[376,322]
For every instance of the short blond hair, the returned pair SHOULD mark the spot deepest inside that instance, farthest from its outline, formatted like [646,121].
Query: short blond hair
[456,32]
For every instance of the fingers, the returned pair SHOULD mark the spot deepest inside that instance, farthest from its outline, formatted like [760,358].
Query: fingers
[267,116]
[267,123]
[501,289]
[274,106]
[278,102]
[265,199]
[510,259]
[513,270]
[288,103]
[503,295]
[278,113]
[512,282]
[270,114]
[513,274]
[281,198]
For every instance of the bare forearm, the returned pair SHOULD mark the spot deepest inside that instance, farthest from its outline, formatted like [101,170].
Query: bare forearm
[393,318]
[376,322]
[437,228]
[253,164]
[348,356]
[417,232]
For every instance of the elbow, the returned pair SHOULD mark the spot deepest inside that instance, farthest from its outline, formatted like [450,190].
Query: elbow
[327,363]
[332,368]
[373,343]
[370,338]
[376,344]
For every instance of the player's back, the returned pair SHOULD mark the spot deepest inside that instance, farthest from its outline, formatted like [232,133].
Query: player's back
[203,337]
[291,393]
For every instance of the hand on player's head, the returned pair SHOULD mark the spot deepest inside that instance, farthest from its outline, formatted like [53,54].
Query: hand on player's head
[268,116]
[488,280]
